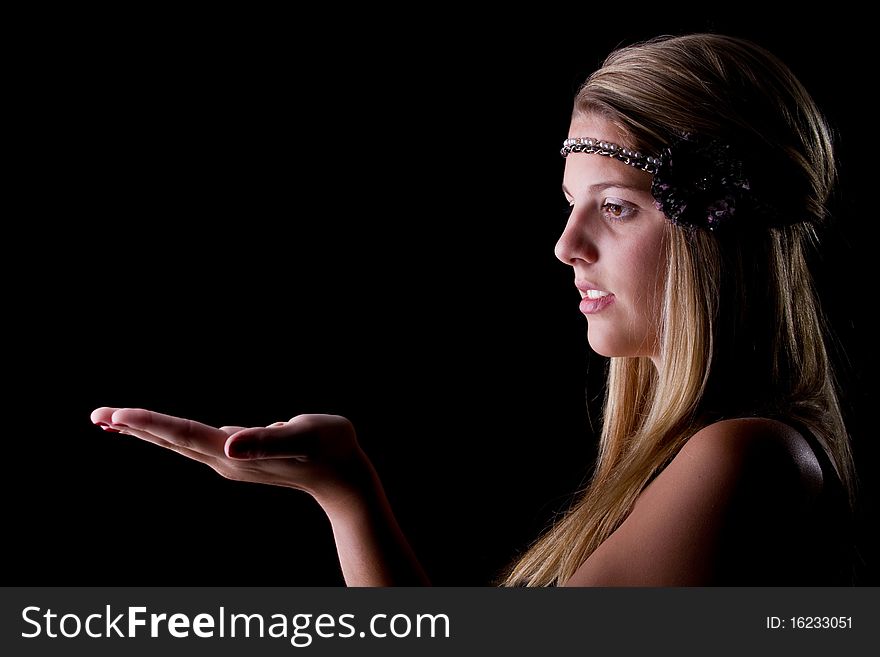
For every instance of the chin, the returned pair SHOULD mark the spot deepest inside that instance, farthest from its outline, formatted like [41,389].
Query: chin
[605,345]
[610,345]
[606,348]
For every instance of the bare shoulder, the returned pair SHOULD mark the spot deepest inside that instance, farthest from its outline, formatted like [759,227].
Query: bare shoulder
[771,453]
[735,477]
[744,466]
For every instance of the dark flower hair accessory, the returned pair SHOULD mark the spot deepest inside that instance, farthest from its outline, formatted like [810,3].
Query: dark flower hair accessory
[700,182]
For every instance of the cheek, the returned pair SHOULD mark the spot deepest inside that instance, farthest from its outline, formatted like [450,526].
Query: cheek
[648,269]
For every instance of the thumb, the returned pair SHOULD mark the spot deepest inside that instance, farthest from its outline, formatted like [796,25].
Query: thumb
[273,442]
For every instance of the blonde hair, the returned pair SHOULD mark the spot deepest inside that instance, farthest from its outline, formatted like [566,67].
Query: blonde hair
[741,330]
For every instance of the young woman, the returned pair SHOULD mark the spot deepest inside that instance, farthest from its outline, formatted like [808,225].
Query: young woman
[697,169]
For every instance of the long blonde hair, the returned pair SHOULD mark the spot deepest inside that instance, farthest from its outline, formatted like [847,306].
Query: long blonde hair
[742,333]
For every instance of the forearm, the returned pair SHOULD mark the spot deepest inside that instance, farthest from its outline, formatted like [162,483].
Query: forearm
[373,550]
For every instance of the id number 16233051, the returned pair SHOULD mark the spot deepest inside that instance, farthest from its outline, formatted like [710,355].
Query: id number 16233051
[809,623]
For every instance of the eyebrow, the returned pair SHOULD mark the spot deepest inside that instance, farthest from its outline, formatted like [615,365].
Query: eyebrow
[605,184]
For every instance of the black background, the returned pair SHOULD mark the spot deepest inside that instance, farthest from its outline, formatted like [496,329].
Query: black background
[238,219]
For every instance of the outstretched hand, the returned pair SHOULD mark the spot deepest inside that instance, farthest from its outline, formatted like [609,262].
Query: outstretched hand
[315,453]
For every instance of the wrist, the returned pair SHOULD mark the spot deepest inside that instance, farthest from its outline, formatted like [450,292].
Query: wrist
[358,489]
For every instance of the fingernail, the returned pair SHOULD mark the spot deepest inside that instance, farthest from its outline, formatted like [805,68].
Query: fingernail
[240,449]
[106,427]
[115,428]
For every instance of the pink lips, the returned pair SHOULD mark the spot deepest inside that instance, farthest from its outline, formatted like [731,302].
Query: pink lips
[590,306]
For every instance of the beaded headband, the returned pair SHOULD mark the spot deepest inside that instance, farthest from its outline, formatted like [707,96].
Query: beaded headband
[590,145]
[705,188]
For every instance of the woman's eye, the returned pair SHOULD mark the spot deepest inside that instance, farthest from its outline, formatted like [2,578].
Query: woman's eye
[617,210]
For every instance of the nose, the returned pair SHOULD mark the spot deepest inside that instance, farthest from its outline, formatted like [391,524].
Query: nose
[575,244]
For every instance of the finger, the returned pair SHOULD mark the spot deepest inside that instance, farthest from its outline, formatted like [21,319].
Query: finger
[103,416]
[178,431]
[156,440]
[230,429]
[273,442]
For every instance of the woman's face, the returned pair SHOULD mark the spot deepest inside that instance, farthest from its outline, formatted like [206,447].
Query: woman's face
[614,241]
